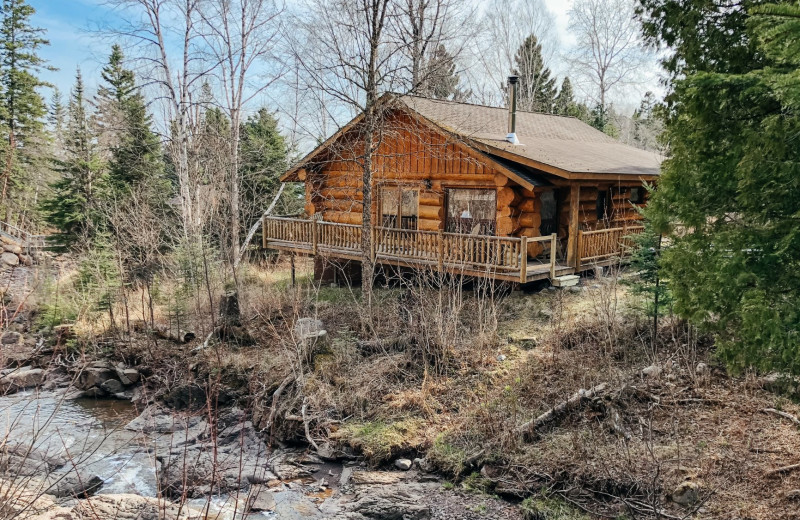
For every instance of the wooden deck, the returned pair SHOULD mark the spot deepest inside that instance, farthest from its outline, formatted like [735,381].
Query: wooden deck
[500,258]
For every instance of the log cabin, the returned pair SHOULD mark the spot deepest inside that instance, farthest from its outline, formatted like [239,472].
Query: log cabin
[477,190]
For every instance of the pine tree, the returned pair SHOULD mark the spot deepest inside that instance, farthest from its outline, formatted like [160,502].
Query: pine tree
[135,149]
[537,90]
[731,182]
[564,103]
[74,206]
[264,156]
[440,80]
[21,106]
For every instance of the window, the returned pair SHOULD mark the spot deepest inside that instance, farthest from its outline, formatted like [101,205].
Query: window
[603,205]
[399,207]
[637,195]
[471,211]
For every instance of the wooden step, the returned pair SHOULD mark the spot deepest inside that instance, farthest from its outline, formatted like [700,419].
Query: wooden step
[568,280]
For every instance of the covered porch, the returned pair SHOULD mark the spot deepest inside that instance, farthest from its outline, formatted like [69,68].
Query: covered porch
[499,258]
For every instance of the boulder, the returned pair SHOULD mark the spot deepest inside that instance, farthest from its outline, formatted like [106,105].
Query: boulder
[76,486]
[260,498]
[687,493]
[12,248]
[651,371]
[131,507]
[10,338]
[26,260]
[9,259]
[403,464]
[390,503]
[25,377]
[92,376]
[111,386]
[127,376]
[701,369]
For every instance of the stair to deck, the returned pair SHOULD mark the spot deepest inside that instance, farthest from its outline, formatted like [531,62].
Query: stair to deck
[569,280]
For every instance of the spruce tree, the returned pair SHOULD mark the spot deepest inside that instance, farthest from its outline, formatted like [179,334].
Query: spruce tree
[730,185]
[440,80]
[564,103]
[537,90]
[74,207]
[122,115]
[22,108]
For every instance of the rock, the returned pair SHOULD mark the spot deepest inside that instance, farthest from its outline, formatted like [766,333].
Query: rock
[403,464]
[10,338]
[77,486]
[9,259]
[26,260]
[701,369]
[651,371]
[93,376]
[111,386]
[390,503]
[127,376]
[793,494]
[131,507]
[424,464]
[25,377]
[307,329]
[376,477]
[186,397]
[291,505]
[260,498]
[13,248]
[501,357]
[686,493]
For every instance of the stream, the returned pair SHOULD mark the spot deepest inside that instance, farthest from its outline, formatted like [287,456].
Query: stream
[76,440]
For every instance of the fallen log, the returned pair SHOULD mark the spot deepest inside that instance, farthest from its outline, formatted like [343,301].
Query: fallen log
[164,331]
[577,399]
[782,470]
[785,415]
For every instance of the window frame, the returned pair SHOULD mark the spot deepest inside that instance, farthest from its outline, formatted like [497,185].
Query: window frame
[398,189]
[446,200]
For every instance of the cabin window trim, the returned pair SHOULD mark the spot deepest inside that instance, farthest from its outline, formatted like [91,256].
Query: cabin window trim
[457,225]
[410,221]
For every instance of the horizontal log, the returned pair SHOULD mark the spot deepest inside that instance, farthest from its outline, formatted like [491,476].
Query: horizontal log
[342,217]
[430,198]
[507,196]
[162,330]
[535,249]
[529,205]
[501,180]
[507,226]
[341,193]
[508,211]
[302,174]
[352,181]
[426,224]
[340,205]
[530,220]
[431,212]
[529,232]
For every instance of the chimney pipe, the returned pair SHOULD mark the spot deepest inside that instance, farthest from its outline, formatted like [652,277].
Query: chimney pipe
[512,110]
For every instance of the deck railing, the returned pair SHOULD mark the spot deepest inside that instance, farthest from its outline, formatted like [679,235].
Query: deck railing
[605,244]
[451,251]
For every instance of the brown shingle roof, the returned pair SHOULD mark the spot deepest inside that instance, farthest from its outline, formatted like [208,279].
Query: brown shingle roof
[564,143]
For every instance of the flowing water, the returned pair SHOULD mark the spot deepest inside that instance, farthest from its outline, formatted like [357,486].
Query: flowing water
[90,435]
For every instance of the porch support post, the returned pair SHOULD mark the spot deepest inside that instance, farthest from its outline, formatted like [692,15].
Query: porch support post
[553,242]
[572,241]
[264,232]
[523,260]
[314,239]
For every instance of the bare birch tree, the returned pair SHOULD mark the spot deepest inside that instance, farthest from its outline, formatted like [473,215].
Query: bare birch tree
[165,41]
[609,51]
[241,35]
[506,24]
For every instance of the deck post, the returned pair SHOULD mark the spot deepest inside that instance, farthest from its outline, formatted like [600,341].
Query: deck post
[314,237]
[553,245]
[574,215]
[264,232]
[523,259]
[440,238]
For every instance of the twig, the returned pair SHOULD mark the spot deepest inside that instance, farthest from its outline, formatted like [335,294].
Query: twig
[305,425]
[785,415]
[782,470]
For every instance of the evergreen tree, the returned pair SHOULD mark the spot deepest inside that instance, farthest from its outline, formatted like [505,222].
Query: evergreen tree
[564,103]
[21,106]
[74,206]
[440,79]
[602,118]
[537,90]
[264,156]
[135,149]
[731,182]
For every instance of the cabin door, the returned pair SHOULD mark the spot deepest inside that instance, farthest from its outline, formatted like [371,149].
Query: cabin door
[549,207]
[471,211]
